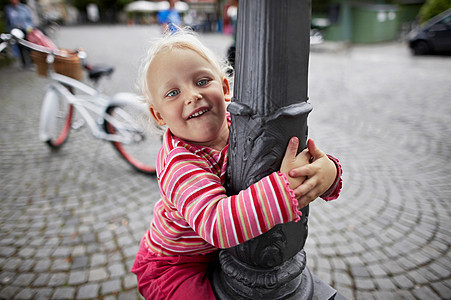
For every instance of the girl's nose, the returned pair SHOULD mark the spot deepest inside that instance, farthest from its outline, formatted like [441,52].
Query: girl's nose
[193,96]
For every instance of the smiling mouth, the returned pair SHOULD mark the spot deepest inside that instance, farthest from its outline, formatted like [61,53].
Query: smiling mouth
[198,113]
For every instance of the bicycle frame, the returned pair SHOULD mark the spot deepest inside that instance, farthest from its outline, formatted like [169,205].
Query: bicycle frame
[113,119]
[92,101]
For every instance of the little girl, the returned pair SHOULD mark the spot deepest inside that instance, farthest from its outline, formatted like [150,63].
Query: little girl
[187,90]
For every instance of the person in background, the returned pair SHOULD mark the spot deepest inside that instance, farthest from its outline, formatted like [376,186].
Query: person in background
[19,16]
[169,19]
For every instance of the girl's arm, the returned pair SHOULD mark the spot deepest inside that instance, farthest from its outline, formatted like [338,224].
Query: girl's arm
[225,221]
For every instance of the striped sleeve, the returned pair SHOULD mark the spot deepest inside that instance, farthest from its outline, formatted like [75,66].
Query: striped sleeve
[221,220]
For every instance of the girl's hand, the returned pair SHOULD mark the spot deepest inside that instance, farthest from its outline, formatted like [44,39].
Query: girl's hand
[320,174]
[291,161]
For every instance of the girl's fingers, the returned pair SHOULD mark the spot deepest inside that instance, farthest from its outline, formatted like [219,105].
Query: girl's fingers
[301,171]
[289,158]
[306,187]
[315,152]
[304,201]
[292,148]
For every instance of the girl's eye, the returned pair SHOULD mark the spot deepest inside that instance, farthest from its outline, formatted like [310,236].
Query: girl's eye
[173,93]
[202,82]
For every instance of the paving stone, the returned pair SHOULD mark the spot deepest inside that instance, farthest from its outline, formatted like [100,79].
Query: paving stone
[57,279]
[406,263]
[64,293]
[80,262]
[88,291]
[6,277]
[130,281]
[429,275]
[26,252]
[338,264]
[77,277]
[381,295]
[131,295]
[43,252]
[24,280]
[79,250]
[359,271]
[403,282]
[26,293]
[60,264]
[12,264]
[8,292]
[439,270]
[43,293]
[98,259]
[392,268]
[98,274]
[88,238]
[42,265]
[105,236]
[114,257]
[125,241]
[111,286]
[116,270]
[27,265]
[361,294]
[62,252]
[441,289]
[385,284]
[130,251]
[92,248]
[425,292]
[41,280]
[342,278]
[364,284]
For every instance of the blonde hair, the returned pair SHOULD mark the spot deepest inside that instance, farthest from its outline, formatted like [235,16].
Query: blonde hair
[184,38]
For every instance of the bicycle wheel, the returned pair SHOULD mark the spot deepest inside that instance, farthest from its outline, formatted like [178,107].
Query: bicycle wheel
[56,119]
[137,146]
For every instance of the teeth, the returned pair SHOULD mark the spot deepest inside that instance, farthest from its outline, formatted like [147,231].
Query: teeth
[198,113]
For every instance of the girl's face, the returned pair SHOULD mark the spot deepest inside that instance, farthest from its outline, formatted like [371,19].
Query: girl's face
[189,96]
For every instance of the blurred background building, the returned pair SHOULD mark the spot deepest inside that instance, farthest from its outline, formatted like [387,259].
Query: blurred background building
[356,21]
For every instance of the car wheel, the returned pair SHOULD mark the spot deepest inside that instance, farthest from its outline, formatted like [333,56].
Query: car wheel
[420,47]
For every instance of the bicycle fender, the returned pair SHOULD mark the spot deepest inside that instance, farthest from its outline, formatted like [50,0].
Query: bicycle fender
[48,114]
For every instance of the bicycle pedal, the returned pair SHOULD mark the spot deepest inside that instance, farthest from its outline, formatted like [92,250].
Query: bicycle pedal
[78,124]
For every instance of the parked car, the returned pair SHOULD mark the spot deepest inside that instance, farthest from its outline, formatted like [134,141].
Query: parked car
[432,36]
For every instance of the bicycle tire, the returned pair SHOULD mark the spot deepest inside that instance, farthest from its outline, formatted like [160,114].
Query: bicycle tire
[56,119]
[142,153]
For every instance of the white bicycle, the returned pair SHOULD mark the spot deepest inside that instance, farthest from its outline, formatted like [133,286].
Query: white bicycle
[120,119]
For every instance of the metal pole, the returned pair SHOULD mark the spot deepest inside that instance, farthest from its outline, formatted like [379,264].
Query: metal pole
[269,107]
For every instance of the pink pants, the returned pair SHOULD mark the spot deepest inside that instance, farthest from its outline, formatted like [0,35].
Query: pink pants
[173,277]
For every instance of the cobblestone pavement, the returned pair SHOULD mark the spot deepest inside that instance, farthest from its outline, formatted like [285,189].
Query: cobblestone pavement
[70,221]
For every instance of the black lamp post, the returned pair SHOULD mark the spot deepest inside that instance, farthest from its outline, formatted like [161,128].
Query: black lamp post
[269,107]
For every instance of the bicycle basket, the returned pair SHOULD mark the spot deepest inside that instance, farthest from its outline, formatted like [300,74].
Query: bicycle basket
[69,65]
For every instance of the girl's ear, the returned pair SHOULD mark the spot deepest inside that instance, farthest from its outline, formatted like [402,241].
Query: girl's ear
[157,116]
[226,90]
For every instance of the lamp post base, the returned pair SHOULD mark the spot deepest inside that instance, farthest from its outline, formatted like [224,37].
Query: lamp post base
[237,280]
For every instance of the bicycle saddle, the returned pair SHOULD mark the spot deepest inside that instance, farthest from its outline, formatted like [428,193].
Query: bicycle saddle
[97,71]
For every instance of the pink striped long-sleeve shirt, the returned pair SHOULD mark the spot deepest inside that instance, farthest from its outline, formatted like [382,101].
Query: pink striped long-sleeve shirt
[195,215]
